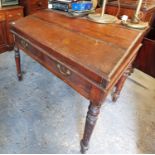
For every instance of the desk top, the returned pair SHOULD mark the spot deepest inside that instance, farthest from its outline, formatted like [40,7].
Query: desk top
[95,50]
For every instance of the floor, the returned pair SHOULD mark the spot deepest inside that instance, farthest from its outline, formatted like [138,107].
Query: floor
[41,114]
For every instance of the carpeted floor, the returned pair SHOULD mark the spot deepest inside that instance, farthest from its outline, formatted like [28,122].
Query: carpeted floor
[41,114]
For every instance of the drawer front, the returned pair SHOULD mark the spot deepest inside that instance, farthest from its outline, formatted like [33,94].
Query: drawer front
[2,17]
[71,77]
[38,5]
[14,14]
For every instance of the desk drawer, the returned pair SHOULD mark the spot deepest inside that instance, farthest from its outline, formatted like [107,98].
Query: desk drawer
[38,5]
[2,17]
[61,70]
[14,14]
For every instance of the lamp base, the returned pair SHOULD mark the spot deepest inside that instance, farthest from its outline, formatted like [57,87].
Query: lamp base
[141,25]
[105,19]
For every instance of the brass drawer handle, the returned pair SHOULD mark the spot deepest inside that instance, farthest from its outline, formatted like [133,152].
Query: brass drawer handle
[63,70]
[24,44]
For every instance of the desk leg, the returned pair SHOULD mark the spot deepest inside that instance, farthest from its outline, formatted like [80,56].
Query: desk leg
[120,83]
[92,115]
[18,66]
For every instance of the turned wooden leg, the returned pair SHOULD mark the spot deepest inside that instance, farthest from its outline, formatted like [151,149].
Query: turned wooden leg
[120,83]
[92,115]
[118,88]
[18,66]
[130,69]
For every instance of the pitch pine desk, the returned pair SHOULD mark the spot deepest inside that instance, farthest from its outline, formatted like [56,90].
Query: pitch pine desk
[91,58]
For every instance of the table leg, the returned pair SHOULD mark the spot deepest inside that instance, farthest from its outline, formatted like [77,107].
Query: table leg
[18,66]
[118,88]
[120,83]
[92,115]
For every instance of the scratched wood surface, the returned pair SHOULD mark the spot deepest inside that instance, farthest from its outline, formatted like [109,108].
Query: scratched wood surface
[99,49]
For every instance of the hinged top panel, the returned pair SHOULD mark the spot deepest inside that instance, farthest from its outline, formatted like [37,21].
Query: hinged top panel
[95,50]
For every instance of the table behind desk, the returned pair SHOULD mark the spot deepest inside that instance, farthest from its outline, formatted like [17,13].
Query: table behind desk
[128,8]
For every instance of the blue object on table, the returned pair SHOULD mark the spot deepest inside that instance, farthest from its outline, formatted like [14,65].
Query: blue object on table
[81,5]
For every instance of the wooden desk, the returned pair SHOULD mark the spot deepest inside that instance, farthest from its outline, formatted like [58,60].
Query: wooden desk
[91,58]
